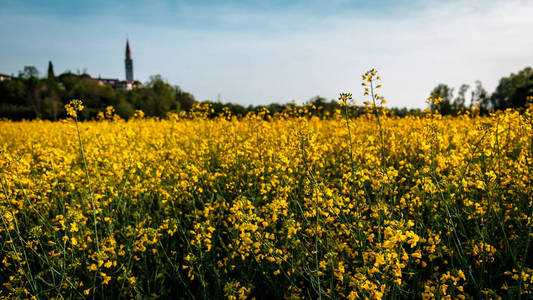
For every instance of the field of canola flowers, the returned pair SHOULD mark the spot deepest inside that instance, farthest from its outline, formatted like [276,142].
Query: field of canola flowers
[268,207]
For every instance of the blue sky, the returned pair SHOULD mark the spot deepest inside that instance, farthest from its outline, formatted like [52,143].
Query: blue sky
[258,52]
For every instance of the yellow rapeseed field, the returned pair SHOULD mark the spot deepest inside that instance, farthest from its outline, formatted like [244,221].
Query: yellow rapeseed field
[282,206]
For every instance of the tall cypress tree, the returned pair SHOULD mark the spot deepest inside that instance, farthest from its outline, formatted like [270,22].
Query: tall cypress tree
[51,70]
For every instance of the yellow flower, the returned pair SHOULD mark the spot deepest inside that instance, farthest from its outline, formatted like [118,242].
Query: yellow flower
[105,278]
[74,107]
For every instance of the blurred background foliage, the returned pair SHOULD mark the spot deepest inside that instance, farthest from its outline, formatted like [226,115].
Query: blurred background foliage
[29,96]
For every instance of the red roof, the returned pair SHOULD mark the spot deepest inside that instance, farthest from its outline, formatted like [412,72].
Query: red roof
[128,51]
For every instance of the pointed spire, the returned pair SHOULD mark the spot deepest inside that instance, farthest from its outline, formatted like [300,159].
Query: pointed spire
[128,51]
[128,62]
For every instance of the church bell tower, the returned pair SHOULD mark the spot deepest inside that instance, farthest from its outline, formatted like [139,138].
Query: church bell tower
[129,63]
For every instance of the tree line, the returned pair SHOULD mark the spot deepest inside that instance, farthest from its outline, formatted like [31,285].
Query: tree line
[28,96]
[512,92]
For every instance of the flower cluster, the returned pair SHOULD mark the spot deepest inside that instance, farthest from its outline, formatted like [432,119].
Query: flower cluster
[74,107]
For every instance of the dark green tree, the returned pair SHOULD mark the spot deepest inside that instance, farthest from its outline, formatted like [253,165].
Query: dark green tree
[51,71]
[513,90]
[159,97]
[29,72]
[460,100]
[13,104]
[186,100]
[34,89]
[445,107]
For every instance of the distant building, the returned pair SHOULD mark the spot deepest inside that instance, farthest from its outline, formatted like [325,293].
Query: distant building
[127,84]
[118,84]
[4,77]
[114,83]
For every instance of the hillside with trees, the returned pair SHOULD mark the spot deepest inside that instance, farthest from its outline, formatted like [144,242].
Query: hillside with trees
[27,96]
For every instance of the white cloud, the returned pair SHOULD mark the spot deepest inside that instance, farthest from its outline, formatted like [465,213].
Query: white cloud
[454,43]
